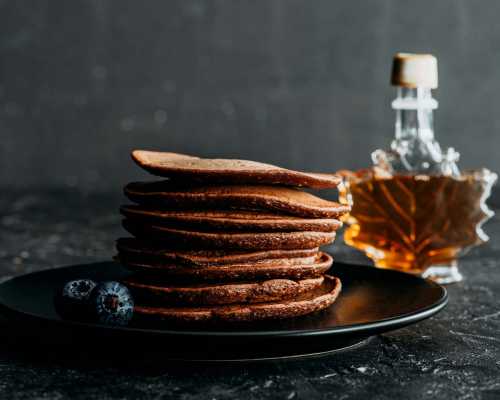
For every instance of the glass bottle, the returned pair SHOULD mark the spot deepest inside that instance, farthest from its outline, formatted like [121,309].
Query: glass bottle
[414,210]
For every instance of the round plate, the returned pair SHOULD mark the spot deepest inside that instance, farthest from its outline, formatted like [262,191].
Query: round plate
[372,301]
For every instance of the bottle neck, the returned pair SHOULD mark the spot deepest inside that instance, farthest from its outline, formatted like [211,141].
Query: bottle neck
[414,114]
[414,150]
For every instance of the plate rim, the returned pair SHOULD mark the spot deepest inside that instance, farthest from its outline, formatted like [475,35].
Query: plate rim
[382,324]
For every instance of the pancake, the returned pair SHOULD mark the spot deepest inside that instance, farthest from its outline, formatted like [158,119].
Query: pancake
[231,240]
[213,220]
[291,201]
[261,270]
[306,303]
[146,292]
[141,257]
[144,250]
[187,168]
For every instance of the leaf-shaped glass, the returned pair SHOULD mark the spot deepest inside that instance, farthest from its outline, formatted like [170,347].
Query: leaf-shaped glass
[419,224]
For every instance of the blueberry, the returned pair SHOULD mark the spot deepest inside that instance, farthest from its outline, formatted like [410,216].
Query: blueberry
[72,301]
[112,303]
[78,290]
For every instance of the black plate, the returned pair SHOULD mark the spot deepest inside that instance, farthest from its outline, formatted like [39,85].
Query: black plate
[372,301]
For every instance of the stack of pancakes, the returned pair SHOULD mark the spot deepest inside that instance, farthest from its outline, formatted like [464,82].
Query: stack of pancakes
[227,240]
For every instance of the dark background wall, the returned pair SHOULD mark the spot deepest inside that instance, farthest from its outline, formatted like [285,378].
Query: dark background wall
[300,83]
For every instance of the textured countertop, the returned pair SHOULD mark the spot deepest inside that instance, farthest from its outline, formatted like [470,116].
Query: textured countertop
[453,355]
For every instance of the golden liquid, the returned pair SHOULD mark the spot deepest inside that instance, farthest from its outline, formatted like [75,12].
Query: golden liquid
[410,222]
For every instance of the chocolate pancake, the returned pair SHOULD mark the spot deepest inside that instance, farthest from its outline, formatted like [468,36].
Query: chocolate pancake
[187,168]
[231,240]
[306,303]
[154,293]
[164,194]
[260,270]
[132,247]
[227,220]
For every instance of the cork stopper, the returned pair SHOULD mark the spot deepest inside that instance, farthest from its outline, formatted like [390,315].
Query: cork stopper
[414,70]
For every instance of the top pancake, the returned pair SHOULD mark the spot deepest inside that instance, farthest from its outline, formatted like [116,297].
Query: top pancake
[186,168]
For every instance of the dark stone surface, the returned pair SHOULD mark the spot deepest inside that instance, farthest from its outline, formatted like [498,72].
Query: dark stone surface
[304,84]
[453,355]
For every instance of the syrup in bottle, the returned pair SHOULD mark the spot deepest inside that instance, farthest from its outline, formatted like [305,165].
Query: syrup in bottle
[414,210]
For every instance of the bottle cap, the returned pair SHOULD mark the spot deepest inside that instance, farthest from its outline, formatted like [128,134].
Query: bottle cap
[414,70]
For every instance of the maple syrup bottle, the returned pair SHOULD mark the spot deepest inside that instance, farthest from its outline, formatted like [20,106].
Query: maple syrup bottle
[414,210]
